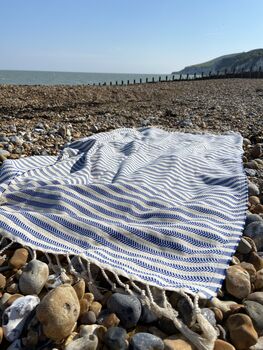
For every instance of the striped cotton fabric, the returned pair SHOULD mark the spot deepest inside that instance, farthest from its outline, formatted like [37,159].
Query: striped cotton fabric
[163,208]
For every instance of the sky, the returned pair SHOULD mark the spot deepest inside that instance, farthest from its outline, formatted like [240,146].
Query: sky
[125,36]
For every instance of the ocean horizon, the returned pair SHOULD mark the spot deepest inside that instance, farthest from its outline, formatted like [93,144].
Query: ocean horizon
[26,77]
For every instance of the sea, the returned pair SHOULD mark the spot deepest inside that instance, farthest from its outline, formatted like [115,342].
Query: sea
[20,77]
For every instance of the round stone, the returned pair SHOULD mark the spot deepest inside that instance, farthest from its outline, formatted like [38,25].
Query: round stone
[115,338]
[2,281]
[255,312]
[255,231]
[58,312]
[252,218]
[222,345]
[256,296]
[33,277]
[88,317]
[127,308]
[253,189]
[255,260]
[18,259]
[238,282]
[209,315]
[244,246]
[146,341]
[175,343]
[242,332]
[83,343]
[15,316]
[80,288]
[259,280]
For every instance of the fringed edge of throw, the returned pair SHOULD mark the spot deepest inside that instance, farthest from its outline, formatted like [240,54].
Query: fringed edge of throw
[158,304]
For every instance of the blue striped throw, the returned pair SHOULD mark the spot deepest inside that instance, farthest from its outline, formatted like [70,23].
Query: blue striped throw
[163,208]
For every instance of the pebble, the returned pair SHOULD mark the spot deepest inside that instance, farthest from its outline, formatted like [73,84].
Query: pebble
[242,332]
[15,316]
[255,260]
[147,316]
[250,269]
[252,218]
[238,282]
[256,296]
[58,312]
[244,246]
[253,189]
[115,338]
[2,281]
[84,343]
[223,305]
[88,317]
[1,334]
[177,344]
[255,312]
[18,259]
[33,277]
[127,308]
[146,341]
[255,231]
[209,315]
[110,320]
[185,311]
[223,345]
[259,280]
[96,308]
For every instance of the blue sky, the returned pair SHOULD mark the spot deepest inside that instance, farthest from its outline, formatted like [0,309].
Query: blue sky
[125,36]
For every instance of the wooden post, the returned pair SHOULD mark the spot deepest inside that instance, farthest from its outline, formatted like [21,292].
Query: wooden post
[140,80]
[134,81]
[166,78]
[180,78]
[146,80]
[99,84]
[210,74]
[128,82]
[173,77]
[152,79]
[110,83]
[187,76]
[194,75]
[116,82]
[160,78]
[202,75]
[122,82]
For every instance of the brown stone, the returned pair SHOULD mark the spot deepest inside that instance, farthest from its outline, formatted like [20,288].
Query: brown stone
[89,297]
[18,259]
[1,334]
[238,282]
[218,314]
[242,332]
[257,151]
[255,260]
[258,209]
[58,312]
[254,200]
[177,344]
[96,308]
[223,345]
[2,281]
[111,320]
[80,288]
[250,269]
[84,306]
[259,280]
[12,299]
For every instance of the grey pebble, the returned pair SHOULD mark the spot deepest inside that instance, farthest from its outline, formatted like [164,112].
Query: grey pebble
[255,231]
[33,277]
[255,312]
[127,308]
[115,338]
[146,341]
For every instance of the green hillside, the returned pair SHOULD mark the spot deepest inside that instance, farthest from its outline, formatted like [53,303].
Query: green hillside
[237,61]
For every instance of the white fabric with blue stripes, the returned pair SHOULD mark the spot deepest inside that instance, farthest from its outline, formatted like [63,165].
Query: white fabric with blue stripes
[163,208]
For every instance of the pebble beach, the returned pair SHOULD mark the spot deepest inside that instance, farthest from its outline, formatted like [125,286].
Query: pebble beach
[49,307]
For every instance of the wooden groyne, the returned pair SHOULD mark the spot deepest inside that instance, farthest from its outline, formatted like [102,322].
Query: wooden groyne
[226,74]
